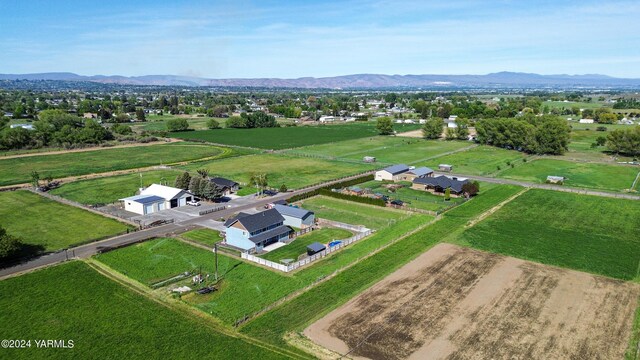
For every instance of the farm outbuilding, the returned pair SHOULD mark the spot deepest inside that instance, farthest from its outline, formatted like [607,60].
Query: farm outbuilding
[315,248]
[555,179]
[369,159]
[156,198]
[445,167]
[391,173]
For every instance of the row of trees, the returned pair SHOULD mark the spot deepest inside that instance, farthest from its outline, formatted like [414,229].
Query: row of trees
[537,135]
[53,128]
[199,185]
[624,141]
[256,119]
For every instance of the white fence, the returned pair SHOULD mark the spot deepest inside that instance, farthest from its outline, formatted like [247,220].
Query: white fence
[307,260]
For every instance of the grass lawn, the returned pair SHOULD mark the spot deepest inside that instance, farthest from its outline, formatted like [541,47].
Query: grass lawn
[159,122]
[299,246]
[203,236]
[373,217]
[285,137]
[587,233]
[18,170]
[578,174]
[105,320]
[295,315]
[52,225]
[386,149]
[109,189]
[295,172]
[481,160]
[414,198]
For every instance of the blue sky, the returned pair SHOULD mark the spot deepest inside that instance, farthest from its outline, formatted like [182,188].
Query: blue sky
[221,39]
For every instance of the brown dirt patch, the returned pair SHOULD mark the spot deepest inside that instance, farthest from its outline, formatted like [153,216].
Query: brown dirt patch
[460,303]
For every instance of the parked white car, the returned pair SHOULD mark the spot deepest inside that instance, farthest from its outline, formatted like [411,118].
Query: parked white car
[193,203]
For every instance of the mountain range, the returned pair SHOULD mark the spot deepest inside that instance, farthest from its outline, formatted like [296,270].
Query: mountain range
[356,81]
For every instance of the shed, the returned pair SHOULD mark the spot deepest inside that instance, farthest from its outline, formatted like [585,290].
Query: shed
[369,159]
[445,167]
[315,248]
[551,179]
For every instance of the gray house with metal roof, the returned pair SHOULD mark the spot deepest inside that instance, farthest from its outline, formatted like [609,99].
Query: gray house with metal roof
[296,217]
[254,232]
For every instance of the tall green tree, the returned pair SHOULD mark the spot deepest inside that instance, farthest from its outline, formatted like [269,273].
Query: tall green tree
[177,125]
[432,128]
[384,125]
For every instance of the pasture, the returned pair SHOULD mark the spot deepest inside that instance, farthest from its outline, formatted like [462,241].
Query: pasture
[299,246]
[18,170]
[294,172]
[588,233]
[460,303]
[105,320]
[579,174]
[106,190]
[285,137]
[386,149]
[39,221]
[480,160]
[373,217]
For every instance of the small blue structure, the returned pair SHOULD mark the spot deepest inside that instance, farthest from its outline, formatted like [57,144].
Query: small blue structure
[335,242]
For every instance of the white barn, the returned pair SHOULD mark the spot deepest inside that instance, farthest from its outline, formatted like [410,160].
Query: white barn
[391,173]
[156,198]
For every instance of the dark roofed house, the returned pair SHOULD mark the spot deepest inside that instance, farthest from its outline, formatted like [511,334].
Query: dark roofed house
[225,185]
[315,248]
[254,232]
[439,184]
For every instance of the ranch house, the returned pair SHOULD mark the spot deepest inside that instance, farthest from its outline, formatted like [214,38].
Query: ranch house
[252,233]
[156,198]
[391,173]
[227,186]
[296,217]
[439,184]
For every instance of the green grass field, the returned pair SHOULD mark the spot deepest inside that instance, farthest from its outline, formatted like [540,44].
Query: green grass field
[246,288]
[386,149]
[299,246]
[105,320]
[159,122]
[295,315]
[295,172]
[203,236]
[587,233]
[286,137]
[414,198]
[578,174]
[109,189]
[40,221]
[18,170]
[373,217]
[481,160]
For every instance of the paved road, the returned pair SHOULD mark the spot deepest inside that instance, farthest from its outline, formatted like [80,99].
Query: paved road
[88,250]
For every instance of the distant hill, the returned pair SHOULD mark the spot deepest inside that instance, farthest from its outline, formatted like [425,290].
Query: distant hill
[356,81]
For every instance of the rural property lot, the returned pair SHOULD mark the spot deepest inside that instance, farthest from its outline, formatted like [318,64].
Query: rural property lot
[588,233]
[43,222]
[481,160]
[286,137]
[18,170]
[459,303]
[578,174]
[105,320]
[292,171]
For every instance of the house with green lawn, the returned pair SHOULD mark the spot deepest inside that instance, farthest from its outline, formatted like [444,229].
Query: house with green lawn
[252,233]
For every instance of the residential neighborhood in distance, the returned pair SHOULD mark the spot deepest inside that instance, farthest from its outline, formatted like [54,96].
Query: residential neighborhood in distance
[319,180]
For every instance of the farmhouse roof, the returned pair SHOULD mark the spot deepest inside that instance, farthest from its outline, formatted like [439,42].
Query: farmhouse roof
[421,171]
[294,212]
[441,182]
[396,169]
[257,221]
[165,192]
[316,247]
[266,235]
[222,182]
